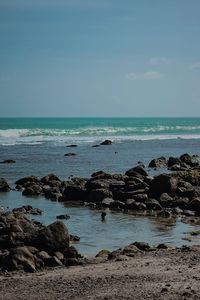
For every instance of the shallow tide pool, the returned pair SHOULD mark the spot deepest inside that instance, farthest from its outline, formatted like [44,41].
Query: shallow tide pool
[117,230]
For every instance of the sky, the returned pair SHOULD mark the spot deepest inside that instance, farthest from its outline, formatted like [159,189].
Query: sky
[109,58]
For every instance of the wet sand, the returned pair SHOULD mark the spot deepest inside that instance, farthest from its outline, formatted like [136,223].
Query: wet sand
[165,274]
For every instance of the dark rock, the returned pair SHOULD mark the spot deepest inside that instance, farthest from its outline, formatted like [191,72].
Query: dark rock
[52,262]
[71,146]
[136,170]
[165,200]
[153,204]
[184,192]
[20,258]
[182,203]
[163,183]
[130,250]
[177,211]
[141,197]
[28,209]
[107,202]
[142,246]
[164,214]
[173,161]
[74,193]
[8,161]
[158,162]
[54,237]
[63,217]
[95,146]
[71,252]
[4,187]
[106,142]
[74,238]
[49,179]
[99,195]
[189,160]
[70,154]
[34,190]
[101,175]
[194,205]
[25,180]
[188,213]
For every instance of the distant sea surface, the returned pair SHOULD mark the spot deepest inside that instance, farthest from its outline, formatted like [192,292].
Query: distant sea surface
[38,145]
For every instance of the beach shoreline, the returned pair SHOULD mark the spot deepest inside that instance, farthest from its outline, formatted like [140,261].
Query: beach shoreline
[167,274]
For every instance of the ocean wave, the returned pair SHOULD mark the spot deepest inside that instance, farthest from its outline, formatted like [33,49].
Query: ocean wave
[98,131]
[60,140]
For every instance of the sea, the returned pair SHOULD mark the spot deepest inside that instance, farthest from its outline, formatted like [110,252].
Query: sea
[39,145]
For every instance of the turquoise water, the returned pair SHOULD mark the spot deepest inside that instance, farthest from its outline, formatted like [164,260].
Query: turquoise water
[89,129]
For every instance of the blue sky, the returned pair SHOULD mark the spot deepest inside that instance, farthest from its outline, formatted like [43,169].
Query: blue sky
[99,58]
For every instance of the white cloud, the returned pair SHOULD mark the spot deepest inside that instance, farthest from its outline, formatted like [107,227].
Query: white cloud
[149,75]
[195,65]
[154,61]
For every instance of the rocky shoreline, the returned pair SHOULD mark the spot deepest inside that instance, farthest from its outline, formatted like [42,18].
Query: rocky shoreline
[29,245]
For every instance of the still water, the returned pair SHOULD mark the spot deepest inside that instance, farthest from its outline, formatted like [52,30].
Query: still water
[118,229]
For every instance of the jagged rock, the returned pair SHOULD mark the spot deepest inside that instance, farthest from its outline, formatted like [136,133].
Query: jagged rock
[21,258]
[54,237]
[158,162]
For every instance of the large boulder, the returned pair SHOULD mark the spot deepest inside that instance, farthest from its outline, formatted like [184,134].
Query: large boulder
[99,195]
[74,193]
[163,183]
[4,187]
[20,258]
[54,237]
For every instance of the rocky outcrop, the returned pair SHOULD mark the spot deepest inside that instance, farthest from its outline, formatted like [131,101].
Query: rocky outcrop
[28,245]
[134,190]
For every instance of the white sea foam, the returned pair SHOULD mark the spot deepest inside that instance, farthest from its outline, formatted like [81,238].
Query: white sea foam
[95,134]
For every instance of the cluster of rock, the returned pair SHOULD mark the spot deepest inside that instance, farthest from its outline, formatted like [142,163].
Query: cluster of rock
[184,162]
[28,245]
[165,194]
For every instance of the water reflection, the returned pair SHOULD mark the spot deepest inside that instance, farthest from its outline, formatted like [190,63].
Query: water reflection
[117,230]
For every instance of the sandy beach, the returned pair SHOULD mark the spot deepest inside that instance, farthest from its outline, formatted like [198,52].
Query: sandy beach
[165,274]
